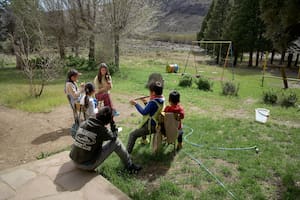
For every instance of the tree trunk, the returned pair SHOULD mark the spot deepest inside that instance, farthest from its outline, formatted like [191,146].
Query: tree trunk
[77,51]
[61,47]
[19,63]
[282,58]
[290,59]
[272,56]
[261,56]
[242,57]
[76,43]
[296,61]
[17,52]
[235,60]
[117,49]
[92,47]
[257,58]
[250,63]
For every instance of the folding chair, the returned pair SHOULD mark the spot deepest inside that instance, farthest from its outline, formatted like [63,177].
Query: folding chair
[171,122]
[77,110]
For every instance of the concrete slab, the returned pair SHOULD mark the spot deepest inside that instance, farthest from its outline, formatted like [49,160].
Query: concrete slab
[55,178]
[6,191]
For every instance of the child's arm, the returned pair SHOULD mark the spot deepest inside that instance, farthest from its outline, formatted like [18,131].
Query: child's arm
[151,107]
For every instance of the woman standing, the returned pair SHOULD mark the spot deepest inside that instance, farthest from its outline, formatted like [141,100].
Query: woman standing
[103,85]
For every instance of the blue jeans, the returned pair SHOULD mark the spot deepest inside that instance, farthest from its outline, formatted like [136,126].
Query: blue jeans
[109,147]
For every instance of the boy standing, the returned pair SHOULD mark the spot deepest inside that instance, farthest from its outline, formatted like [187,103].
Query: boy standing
[174,107]
[150,114]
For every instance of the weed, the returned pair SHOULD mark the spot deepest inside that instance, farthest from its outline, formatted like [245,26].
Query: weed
[204,84]
[289,100]
[270,97]
[230,89]
[186,81]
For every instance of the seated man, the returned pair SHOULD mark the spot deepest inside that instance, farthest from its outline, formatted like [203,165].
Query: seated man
[88,150]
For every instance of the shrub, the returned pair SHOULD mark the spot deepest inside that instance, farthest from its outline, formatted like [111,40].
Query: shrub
[230,89]
[112,67]
[270,97]
[76,62]
[204,84]
[186,81]
[289,100]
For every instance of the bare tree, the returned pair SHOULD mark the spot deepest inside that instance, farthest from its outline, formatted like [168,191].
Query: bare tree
[24,32]
[55,22]
[88,12]
[27,38]
[75,31]
[123,16]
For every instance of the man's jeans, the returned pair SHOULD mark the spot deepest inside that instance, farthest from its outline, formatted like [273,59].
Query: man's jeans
[109,147]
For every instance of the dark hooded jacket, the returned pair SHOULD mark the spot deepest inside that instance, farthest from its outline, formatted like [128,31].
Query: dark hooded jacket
[88,141]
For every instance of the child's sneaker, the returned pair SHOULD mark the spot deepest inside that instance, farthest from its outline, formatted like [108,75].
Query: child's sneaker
[179,146]
[144,141]
[116,113]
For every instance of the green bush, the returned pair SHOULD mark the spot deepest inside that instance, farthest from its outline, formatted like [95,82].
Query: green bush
[270,97]
[112,67]
[80,63]
[186,81]
[204,84]
[230,89]
[76,62]
[289,100]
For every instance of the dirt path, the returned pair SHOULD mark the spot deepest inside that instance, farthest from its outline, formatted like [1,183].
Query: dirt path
[23,135]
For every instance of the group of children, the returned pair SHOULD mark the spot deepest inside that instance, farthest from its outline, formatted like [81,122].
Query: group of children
[86,93]
[150,111]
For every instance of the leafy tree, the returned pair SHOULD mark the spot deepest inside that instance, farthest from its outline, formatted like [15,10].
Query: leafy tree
[245,28]
[214,30]
[200,35]
[282,19]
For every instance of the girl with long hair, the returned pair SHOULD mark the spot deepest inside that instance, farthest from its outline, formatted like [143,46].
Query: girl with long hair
[88,101]
[103,85]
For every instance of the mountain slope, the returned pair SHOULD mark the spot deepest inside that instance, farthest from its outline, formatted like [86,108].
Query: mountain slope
[182,16]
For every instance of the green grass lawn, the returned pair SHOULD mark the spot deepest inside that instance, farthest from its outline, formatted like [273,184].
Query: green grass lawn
[216,120]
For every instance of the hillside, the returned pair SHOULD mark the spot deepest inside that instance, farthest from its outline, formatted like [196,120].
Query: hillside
[182,16]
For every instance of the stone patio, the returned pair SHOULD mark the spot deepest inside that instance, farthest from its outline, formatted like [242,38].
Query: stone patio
[55,178]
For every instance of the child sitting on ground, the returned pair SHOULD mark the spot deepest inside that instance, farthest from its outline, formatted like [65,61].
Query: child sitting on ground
[150,114]
[89,102]
[174,107]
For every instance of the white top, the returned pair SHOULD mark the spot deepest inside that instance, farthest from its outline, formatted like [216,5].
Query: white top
[72,90]
[92,110]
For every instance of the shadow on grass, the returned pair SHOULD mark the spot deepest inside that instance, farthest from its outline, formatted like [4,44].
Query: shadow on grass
[290,189]
[52,136]
[154,165]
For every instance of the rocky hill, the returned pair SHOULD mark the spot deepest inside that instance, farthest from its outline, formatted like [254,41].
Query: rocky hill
[182,16]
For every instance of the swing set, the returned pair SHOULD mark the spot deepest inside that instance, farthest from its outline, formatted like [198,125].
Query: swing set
[282,68]
[216,46]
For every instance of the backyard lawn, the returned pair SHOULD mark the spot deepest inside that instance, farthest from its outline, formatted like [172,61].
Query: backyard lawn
[212,122]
